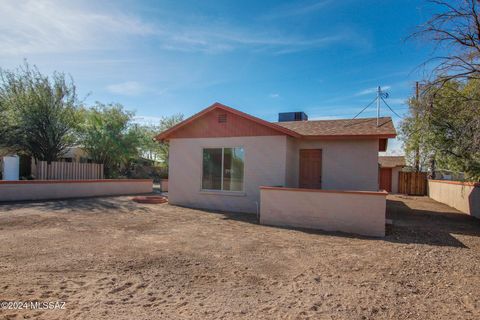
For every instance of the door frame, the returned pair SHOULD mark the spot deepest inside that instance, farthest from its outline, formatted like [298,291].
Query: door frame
[390,171]
[300,162]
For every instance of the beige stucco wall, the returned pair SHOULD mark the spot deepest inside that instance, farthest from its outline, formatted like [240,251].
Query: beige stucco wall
[360,213]
[463,197]
[346,164]
[42,190]
[75,153]
[265,164]
[395,172]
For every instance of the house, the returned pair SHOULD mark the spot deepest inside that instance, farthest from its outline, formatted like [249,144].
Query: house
[75,154]
[389,167]
[220,157]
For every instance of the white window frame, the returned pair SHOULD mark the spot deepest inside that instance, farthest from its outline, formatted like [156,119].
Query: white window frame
[221,181]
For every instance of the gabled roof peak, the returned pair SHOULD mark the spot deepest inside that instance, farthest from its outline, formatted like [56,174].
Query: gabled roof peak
[217,105]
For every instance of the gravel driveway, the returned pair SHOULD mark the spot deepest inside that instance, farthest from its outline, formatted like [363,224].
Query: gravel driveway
[110,258]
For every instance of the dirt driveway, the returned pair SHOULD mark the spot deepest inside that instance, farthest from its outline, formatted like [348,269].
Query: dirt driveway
[109,258]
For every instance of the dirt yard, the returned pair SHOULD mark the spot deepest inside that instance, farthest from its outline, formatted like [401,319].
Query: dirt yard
[110,258]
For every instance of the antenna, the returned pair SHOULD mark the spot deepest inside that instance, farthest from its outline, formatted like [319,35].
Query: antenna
[380,95]
[379,91]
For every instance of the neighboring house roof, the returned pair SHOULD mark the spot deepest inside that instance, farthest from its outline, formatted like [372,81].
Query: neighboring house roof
[343,127]
[391,161]
[299,129]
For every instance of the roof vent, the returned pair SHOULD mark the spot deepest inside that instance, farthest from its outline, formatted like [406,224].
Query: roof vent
[222,118]
[292,116]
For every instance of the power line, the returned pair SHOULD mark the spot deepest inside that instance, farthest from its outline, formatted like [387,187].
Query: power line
[365,108]
[391,108]
[381,95]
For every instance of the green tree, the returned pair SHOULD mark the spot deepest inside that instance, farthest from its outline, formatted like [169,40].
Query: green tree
[39,113]
[109,136]
[445,124]
[149,147]
[165,124]
[416,143]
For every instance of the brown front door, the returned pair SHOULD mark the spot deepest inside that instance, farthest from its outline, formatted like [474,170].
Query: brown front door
[385,177]
[310,176]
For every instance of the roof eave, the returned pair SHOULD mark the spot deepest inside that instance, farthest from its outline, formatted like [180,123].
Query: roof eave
[351,136]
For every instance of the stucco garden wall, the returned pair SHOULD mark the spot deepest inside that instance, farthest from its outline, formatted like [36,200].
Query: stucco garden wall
[354,212]
[462,196]
[64,189]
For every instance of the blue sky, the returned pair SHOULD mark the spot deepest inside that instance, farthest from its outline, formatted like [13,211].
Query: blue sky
[263,57]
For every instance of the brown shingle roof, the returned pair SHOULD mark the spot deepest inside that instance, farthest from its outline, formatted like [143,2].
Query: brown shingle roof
[391,161]
[344,127]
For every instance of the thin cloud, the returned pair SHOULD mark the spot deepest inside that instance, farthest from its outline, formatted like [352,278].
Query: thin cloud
[129,88]
[53,26]
[274,95]
[397,101]
[371,90]
[222,38]
[58,26]
[296,9]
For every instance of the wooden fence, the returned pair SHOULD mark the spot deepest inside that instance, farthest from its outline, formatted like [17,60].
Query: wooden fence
[67,171]
[412,183]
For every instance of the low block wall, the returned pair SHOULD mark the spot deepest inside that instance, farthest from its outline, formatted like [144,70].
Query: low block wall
[164,185]
[463,196]
[360,212]
[64,189]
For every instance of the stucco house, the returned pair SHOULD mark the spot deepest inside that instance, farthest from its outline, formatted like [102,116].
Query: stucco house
[220,157]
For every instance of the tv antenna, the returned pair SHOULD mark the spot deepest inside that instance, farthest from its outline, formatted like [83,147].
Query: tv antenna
[381,96]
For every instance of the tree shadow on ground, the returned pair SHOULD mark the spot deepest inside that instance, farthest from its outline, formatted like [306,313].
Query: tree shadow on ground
[410,226]
[80,205]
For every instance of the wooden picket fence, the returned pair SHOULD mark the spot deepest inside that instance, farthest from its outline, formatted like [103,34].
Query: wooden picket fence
[412,183]
[67,171]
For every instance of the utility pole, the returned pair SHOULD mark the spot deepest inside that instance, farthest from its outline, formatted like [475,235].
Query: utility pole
[417,147]
[379,92]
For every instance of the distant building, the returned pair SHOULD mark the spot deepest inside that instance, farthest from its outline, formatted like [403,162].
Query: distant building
[389,167]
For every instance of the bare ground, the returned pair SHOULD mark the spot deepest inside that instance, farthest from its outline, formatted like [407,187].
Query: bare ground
[110,258]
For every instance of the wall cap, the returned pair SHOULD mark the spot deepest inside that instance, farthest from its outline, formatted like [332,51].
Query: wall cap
[375,193]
